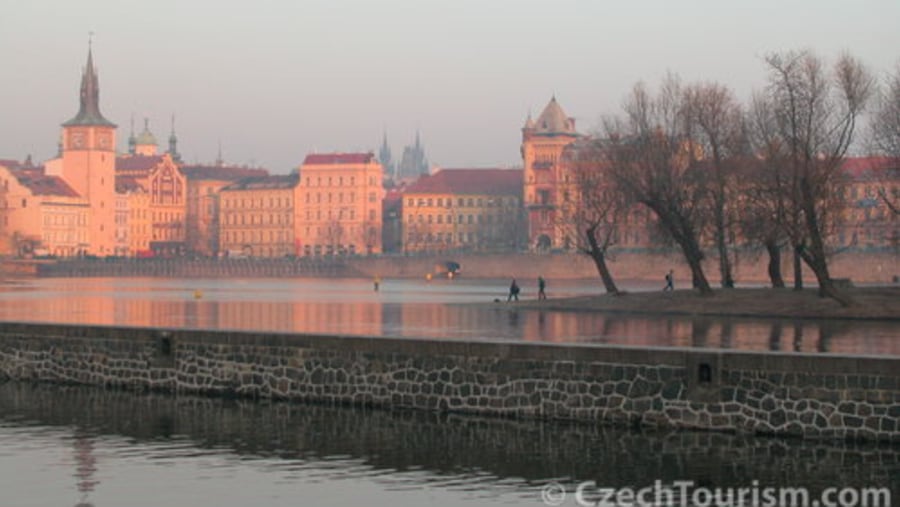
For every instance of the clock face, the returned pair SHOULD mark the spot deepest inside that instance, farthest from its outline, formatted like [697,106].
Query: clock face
[103,141]
[77,140]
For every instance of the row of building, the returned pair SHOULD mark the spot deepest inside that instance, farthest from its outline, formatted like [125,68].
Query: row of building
[93,200]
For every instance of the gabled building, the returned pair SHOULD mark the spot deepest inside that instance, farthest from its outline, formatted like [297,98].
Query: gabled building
[464,210]
[165,190]
[40,214]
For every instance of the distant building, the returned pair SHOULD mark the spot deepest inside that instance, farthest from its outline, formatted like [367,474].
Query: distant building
[869,223]
[204,182]
[257,216]
[413,163]
[340,207]
[543,142]
[464,209]
[386,160]
[41,214]
[166,190]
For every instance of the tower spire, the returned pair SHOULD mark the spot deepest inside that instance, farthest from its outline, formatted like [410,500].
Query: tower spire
[173,142]
[89,107]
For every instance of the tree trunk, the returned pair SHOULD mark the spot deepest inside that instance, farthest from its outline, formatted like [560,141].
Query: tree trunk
[598,254]
[826,284]
[775,264]
[798,268]
[722,247]
[698,278]
[814,256]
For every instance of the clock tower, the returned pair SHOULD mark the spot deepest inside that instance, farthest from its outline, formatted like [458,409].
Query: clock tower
[89,163]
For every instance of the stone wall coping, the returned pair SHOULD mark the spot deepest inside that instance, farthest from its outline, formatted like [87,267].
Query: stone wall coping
[727,359]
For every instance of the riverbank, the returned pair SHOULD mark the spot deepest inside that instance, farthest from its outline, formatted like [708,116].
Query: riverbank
[870,303]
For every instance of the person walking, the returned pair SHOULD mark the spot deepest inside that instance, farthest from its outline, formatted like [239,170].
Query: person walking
[542,285]
[513,291]
[670,281]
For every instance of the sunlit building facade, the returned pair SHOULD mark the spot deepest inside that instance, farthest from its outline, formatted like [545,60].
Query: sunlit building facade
[543,142]
[339,211]
[464,210]
[257,217]
[204,182]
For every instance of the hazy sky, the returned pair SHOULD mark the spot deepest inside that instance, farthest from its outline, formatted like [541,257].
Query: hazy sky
[275,80]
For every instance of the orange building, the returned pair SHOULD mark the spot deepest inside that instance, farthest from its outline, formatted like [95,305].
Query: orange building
[543,142]
[203,208]
[257,216]
[339,211]
[464,209]
[160,203]
[41,214]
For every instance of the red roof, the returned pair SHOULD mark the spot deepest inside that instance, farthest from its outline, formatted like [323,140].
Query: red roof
[338,158]
[470,181]
[127,184]
[138,162]
[265,182]
[862,167]
[41,184]
[223,173]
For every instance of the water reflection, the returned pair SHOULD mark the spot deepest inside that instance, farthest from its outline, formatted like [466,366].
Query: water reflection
[414,309]
[282,448]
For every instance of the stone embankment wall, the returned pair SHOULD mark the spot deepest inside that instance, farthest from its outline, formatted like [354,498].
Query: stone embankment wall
[814,396]
[196,268]
[860,267]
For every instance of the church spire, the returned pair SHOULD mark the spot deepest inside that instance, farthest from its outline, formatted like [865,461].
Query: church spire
[89,110]
[173,143]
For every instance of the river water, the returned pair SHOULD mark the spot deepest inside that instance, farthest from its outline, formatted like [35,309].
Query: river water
[443,309]
[89,447]
[64,445]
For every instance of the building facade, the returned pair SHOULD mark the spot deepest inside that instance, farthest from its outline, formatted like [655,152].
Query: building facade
[257,217]
[545,178]
[476,210]
[204,182]
[340,206]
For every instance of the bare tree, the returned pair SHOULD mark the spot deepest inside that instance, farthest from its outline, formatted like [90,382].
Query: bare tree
[716,126]
[815,114]
[592,206]
[766,185]
[885,139]
[651,159]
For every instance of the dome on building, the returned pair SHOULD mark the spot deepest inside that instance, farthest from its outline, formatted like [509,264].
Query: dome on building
[146,137]
[553,120]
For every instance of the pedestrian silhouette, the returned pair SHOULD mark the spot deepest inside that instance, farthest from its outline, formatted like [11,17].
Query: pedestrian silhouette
[670,281]
[542,285]
[513,291]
